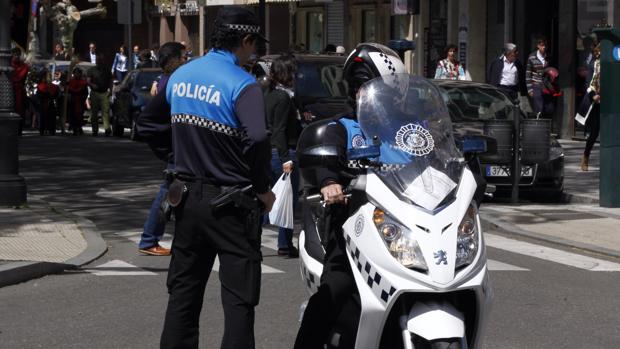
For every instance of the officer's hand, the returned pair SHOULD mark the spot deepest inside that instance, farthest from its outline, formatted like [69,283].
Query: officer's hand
[287,167]
[267,198]
[531,94]
[332,194]
[596,98]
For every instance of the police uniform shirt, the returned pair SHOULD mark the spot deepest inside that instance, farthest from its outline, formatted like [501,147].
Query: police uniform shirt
[218,122]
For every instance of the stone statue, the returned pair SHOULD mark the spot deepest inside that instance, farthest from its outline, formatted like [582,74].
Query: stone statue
[66,17]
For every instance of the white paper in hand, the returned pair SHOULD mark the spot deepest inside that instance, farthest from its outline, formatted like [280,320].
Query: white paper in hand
[282,212]
[430,188]
[582,119]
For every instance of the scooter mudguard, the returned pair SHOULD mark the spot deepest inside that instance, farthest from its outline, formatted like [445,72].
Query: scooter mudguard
[435,320]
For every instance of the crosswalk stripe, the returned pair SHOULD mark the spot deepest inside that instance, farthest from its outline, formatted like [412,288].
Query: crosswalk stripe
[494,265]
[166,241]
[550,254]
[117,267]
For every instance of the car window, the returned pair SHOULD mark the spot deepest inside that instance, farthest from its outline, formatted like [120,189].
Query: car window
[320,80]
[145,79]
[473,103]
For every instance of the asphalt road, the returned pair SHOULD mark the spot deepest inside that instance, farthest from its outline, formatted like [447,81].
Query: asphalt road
[119,300]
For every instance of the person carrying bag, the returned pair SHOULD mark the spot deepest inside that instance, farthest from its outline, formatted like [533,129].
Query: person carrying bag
[282,122]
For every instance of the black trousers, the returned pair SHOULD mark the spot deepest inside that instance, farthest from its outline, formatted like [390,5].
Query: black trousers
[594,124]
[511,91]
[337,285]
[233,235]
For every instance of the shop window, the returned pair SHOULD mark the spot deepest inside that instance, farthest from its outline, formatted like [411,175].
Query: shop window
[400,27]
[369,29]
[315,33]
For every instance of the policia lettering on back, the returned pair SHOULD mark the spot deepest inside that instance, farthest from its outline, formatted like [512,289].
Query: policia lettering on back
[222,155]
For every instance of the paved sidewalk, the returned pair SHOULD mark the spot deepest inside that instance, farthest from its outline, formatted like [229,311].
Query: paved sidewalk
[578,223]
[37,240]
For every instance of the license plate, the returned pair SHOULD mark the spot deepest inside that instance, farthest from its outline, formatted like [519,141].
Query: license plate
[504,171]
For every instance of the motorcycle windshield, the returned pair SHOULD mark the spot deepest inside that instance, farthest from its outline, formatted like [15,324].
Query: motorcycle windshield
[408,117]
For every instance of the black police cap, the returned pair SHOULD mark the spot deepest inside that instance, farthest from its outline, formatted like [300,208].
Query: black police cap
[239,19]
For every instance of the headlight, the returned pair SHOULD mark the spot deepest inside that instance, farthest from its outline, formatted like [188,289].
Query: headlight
[467,238]
[399,240]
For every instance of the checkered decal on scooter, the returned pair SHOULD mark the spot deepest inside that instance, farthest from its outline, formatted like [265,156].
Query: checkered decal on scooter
[312,281]
[380,286]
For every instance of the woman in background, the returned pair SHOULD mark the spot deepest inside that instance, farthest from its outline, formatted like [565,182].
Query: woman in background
[284,126]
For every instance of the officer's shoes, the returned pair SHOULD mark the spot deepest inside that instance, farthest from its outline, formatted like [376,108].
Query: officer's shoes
[155,251]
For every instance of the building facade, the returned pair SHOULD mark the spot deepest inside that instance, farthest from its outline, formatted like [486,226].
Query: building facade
[479,28]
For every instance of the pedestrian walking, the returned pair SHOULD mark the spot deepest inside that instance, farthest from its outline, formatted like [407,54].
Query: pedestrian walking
[18,79]
[99,79]
[145,60]
[221,155]
[135,57]
[46,93]
[450,68]
[119,66]
[92,53]
[155,53]
[593,121]
[284,126]
[507,72]
[172,56]
[59,53]
[537,61]
[78,91]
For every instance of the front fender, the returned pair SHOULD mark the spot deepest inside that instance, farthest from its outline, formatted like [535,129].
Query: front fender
[435,320]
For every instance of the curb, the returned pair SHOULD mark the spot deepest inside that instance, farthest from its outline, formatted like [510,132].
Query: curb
[579,199]
[18,272]
[504,228]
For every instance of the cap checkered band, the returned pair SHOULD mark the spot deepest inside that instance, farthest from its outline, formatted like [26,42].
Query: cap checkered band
[206,123]
[244,28]
[312,281]
[384,167]
[378,284]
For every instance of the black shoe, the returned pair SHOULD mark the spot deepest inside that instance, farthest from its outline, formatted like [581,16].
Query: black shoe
[108,132]
[293,252]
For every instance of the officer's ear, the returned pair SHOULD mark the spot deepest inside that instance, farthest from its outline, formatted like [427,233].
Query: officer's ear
[248,40]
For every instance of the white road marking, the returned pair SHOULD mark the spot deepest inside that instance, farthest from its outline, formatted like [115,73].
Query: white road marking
[116,268]
[499,266]
[166,242]
[550,254]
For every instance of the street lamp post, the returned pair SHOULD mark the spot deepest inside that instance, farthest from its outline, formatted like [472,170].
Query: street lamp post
[12,185]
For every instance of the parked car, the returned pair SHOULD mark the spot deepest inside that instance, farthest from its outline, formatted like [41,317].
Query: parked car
[473,104]
[319,87]
[129,97]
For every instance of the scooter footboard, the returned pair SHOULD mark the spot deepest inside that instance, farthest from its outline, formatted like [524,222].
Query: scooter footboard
[435,320]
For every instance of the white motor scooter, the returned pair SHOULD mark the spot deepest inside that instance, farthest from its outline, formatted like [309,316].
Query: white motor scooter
[413,238]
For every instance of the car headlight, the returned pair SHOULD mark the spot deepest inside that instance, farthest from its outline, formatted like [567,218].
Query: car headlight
[467,238]
[400,241]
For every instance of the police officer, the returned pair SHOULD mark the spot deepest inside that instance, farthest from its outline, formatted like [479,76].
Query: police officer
[220,145]
[365,63]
